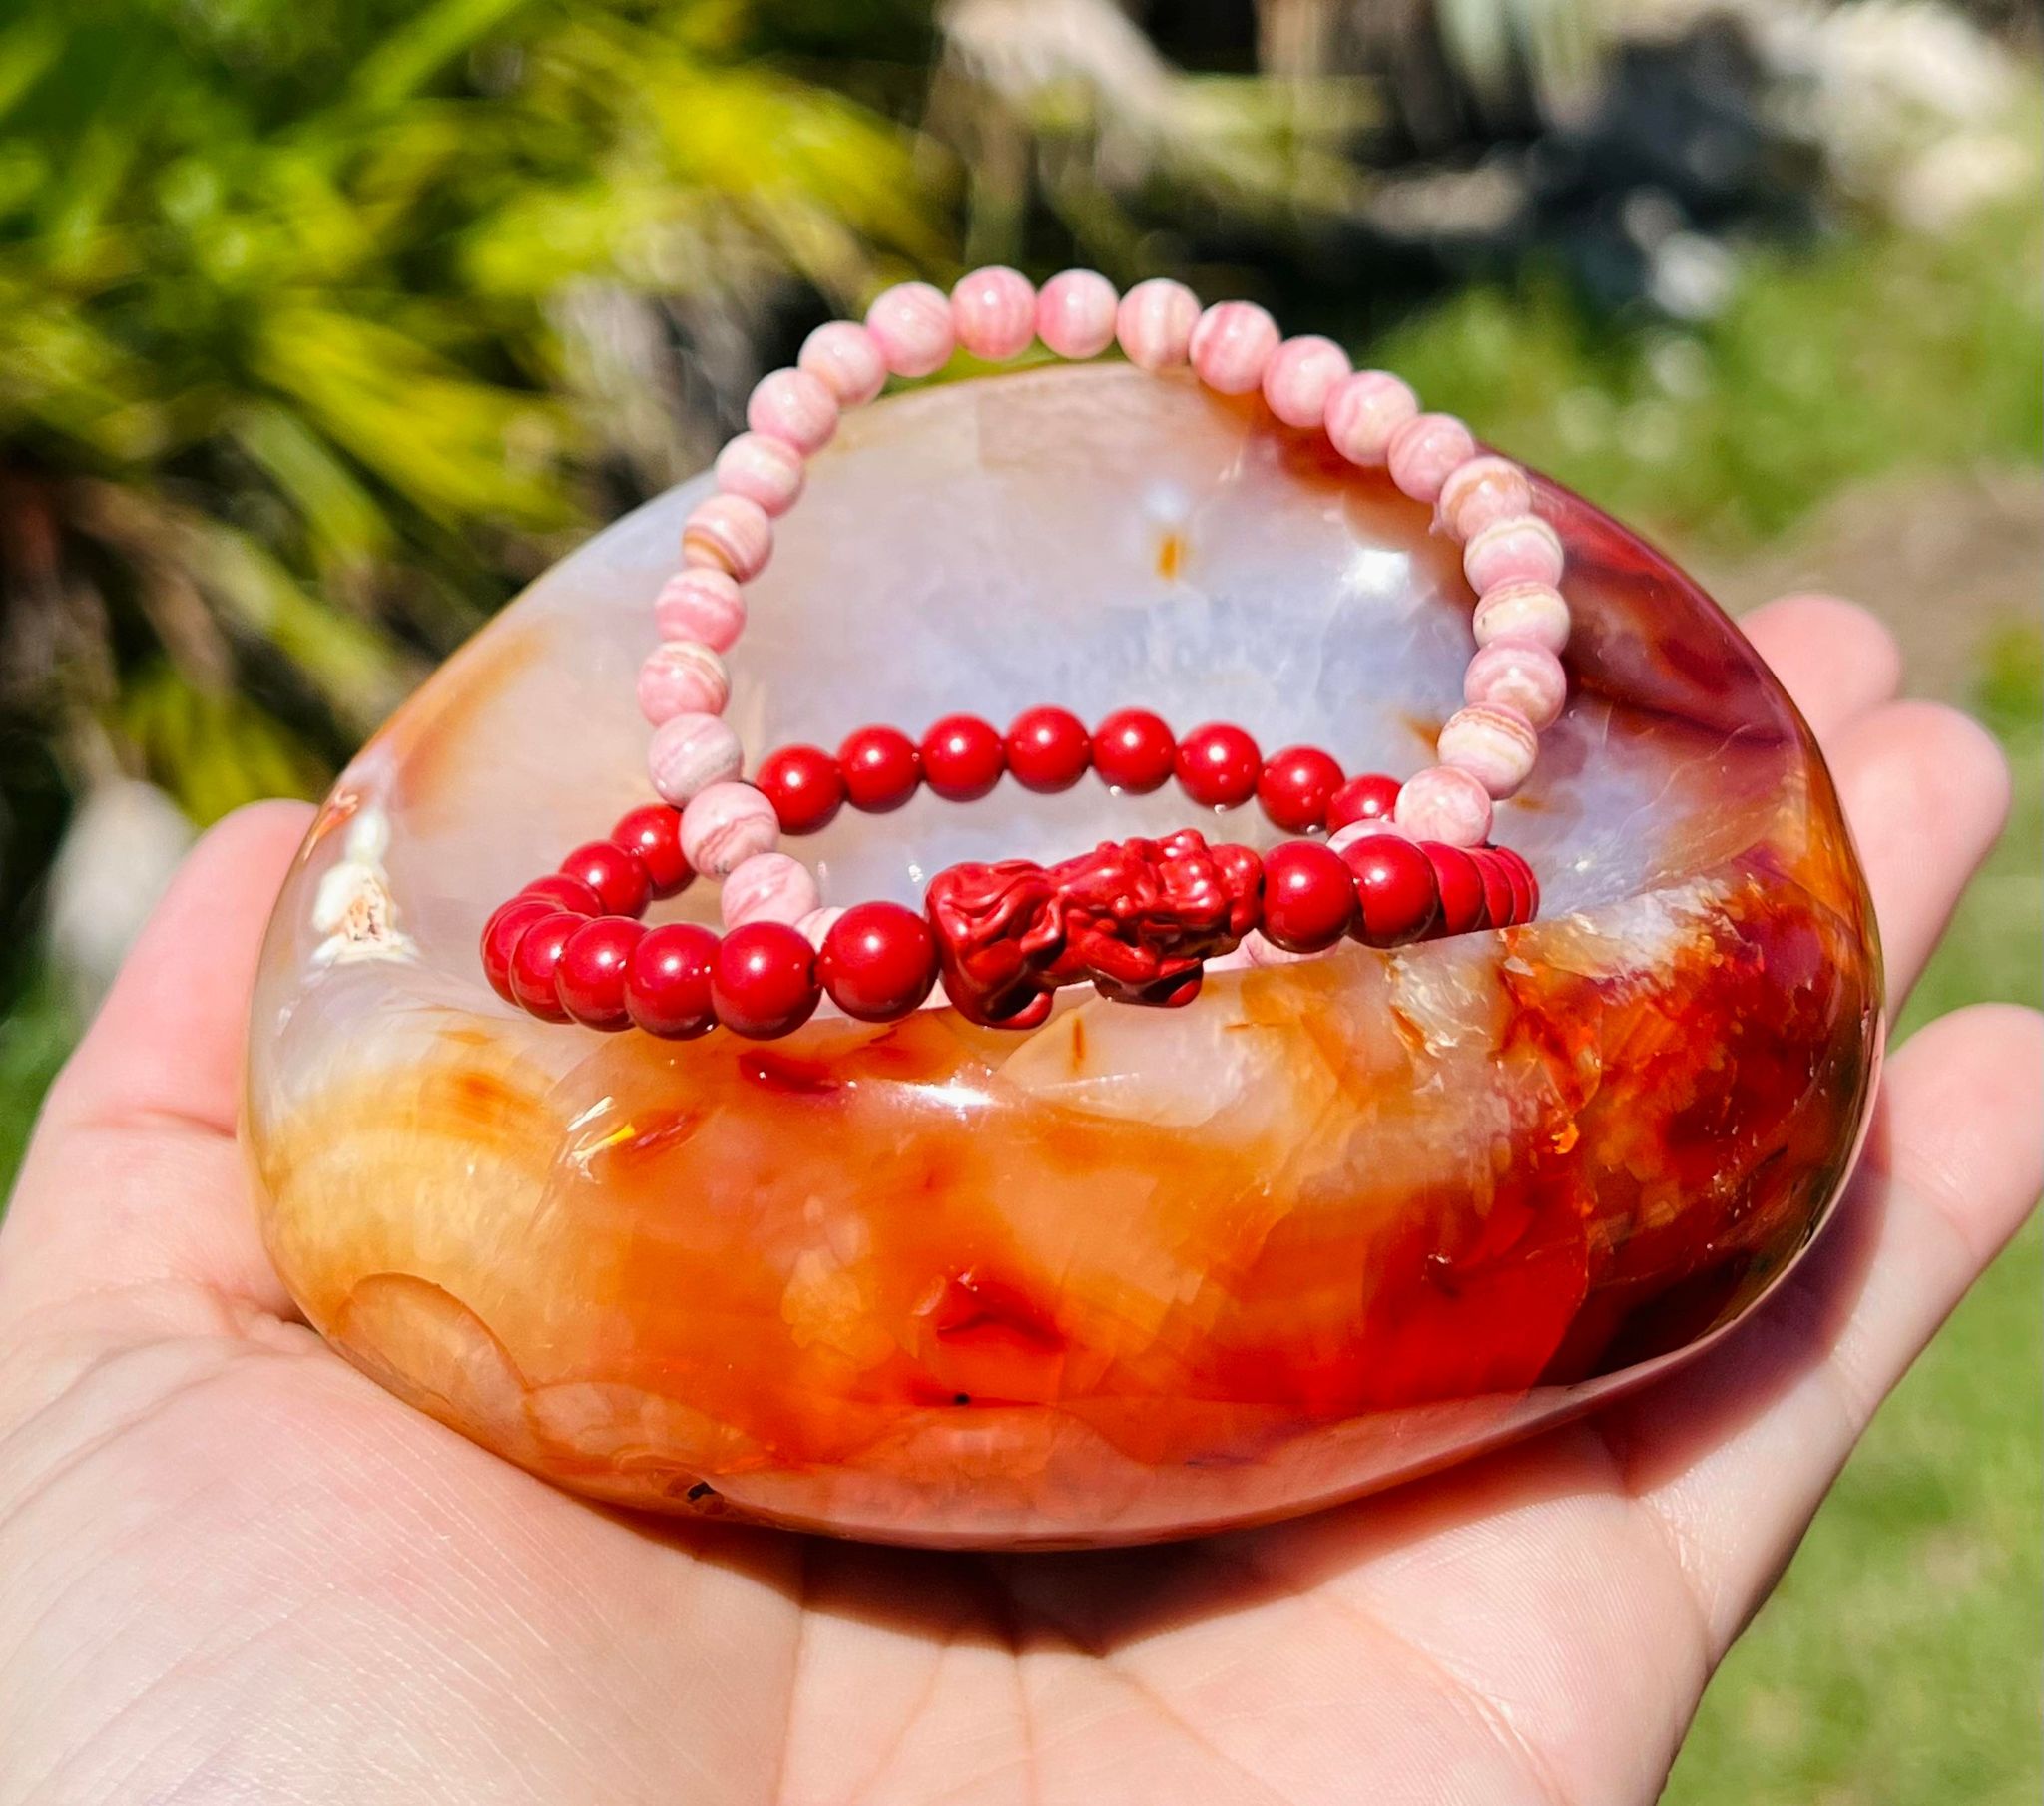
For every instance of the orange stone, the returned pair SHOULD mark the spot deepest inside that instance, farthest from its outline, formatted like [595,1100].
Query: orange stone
[1133,1273]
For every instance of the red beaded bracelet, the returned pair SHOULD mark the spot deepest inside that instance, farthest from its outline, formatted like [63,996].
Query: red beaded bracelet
[1137,919]
[1301,789]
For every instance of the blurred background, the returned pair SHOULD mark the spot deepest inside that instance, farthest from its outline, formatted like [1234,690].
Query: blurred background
[325,324]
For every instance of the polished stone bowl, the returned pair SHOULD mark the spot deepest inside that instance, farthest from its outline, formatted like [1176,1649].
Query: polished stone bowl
[1136,1274]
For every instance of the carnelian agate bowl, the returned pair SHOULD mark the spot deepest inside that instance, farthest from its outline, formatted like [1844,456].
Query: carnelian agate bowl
[1134,1273]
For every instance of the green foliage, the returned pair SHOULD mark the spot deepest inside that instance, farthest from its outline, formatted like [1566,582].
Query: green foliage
[1994,949]
[219,749]
[34,1040]
[1886,352]
[289,392]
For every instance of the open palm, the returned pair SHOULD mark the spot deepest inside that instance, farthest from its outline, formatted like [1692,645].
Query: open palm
[231,1569]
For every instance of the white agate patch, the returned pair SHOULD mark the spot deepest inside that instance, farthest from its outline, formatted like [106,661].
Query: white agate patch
[353,910]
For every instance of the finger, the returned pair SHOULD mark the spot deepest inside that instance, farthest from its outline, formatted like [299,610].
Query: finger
[1836,660]
[1927,792]
[133,1174]
[168,1041]
[1734,1455]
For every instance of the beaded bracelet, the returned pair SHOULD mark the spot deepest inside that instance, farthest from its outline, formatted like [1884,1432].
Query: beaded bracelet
[1139,919]
[569,946]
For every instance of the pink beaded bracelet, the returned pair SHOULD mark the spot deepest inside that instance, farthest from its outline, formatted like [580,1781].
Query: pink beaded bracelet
[1515,686]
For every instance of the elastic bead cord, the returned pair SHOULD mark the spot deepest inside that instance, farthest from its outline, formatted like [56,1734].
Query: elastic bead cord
[722,827]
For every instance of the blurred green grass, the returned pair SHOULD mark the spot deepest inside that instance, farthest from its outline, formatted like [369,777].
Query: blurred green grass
[1897,1664]
[35,1036]
[1878,354]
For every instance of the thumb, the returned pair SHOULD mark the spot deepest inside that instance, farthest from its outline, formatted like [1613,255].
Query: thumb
[132,1173]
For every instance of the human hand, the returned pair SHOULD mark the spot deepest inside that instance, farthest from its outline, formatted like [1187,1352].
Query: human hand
[232,1568]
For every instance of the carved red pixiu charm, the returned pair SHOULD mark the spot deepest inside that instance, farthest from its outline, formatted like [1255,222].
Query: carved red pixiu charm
[1137,919]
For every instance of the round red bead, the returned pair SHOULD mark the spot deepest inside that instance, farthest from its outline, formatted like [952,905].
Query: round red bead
[500,938]
[1134,751]
[1308,896]
[1219,765]
[564,892]
[1395,893]
[1519,875]
[805,786]
[615,874]
[880,767]
[536,959]
[1048,749]
[590,980]
[667,982]
[878,961]
[765,981]
[654,833]
[962,758]
[1498,902]
[1460,882]
[1370,797]
[1296,787]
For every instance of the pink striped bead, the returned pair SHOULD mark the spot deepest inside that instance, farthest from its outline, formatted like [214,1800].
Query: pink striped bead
[1155,323]
[845,359]
[702,605]
[1425,450]
[1494,744]
[682,677]
[1343,838]
[1300,377]
[1483,491]
[763,470]
[1521,674]
[769,887]
[818,923]
[729,533]
[1533,611]
[993,312]
[1364,411]
[1075,313]
[691,753]
[794,406]
[1440,803]
[1256,950]
[911,323]
[725,825]
[1232,346]
[1520,548]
